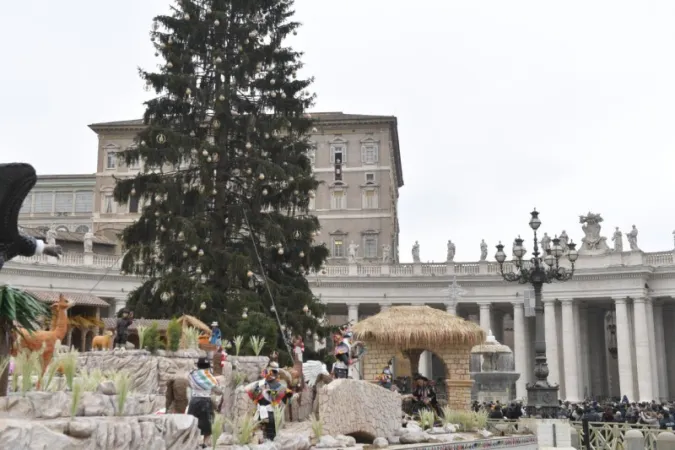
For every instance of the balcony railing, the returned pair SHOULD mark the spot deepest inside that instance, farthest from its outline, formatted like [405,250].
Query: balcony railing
[483,268]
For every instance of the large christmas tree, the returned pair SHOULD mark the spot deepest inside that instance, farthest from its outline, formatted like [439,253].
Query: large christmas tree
[225,233]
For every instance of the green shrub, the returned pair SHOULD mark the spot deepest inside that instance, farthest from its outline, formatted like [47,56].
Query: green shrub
[257,343]
[427,418]
[141,336]
[123,388]
[174,332]
[243,428]
[217,429]
[77,391]
[262,325]
[152,342]
[317,426]
[191,338]
[68,363]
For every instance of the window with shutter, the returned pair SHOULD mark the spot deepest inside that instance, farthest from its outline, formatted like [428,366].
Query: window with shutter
[369,153]
[108,204]
[27,205]
[369,199]
[43,202]
[370,246]
[133,204]
[338,199]
[111,159]
[84,202]
[338,248]
[63,202]
[338,154]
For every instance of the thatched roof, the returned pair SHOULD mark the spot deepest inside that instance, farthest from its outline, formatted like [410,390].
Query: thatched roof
[191,321]
[408,327]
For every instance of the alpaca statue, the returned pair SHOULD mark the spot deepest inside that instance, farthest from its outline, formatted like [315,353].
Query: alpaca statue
[45,340]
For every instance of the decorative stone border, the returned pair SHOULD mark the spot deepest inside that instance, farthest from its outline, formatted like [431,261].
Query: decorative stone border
[496,443]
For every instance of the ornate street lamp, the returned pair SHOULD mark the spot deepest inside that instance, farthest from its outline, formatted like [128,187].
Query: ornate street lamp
[542,397]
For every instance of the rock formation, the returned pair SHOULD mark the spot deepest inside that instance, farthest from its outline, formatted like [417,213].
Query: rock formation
[378,413]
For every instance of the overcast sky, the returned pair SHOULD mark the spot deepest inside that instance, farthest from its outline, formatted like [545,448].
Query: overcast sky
[502,105]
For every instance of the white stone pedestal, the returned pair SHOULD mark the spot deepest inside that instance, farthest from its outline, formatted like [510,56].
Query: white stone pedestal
[551,433]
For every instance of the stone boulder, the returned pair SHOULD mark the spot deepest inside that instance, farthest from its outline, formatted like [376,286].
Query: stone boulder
[53,405]
[251,366]
[359,408]
[149,373]
[166,432]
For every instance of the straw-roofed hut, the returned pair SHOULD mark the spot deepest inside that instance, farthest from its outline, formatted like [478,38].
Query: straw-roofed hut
[192,322]
[413,329]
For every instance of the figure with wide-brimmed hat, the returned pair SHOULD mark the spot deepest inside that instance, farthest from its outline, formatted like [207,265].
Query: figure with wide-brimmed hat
[268,393]
[202,385]
[424,395]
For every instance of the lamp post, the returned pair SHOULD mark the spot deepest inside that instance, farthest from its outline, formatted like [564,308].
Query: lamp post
[542,397]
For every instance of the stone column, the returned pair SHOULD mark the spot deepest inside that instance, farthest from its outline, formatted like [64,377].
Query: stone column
[656,392]
[451,308]
[426,364]
[581,317]
[520,350]
[352,313]
[120,304]
[497,325]
[485,316]
[642,350]
[623,345]
[551,330]
[660,339]
[595,346]
[385,307]
[570,355]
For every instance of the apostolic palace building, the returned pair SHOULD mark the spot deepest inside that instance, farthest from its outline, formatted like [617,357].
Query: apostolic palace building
[605,329]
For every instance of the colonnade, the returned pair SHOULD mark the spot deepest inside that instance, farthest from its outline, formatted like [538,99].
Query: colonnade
[580,358]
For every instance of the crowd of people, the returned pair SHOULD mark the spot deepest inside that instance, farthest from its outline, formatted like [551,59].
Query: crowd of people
[654,414]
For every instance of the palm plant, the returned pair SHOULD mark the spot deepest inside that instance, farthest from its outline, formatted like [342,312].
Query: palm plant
[18,309]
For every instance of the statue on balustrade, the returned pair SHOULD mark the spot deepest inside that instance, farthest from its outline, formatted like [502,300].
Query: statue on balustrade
[51,234]
[632,238]
[592,242]
[16,181]
[89,242]
[416,252]
[386,251]
[353,251]
[564,241]
[451,251]
[546,243]
[483,250]
[618,240]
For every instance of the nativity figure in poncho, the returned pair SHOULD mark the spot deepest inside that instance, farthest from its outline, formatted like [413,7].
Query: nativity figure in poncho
[347,353]
[268,393]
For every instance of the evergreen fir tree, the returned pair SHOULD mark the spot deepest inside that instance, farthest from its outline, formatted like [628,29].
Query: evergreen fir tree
[226,181]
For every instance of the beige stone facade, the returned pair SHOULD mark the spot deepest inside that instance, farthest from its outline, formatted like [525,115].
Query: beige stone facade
[65,201]
[356,157]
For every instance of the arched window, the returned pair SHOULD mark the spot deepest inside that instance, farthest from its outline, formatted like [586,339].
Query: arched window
[82,229]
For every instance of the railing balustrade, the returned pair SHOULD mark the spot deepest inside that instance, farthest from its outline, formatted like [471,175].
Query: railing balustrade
[360,269]
[603,435]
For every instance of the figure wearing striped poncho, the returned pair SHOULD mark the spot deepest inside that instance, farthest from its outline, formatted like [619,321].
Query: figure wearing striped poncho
[202,382]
